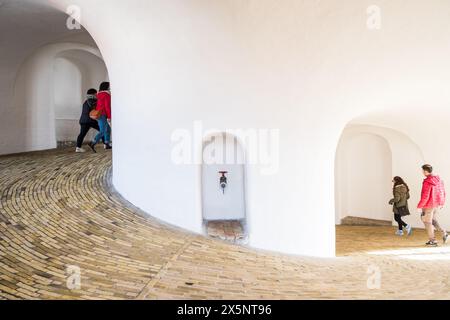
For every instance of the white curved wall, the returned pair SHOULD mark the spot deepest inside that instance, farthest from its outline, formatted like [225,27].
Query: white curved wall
[305,67]
[364,175]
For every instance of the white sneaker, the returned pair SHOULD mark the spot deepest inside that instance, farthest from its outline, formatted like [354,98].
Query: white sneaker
[80,150]
[409,230]
[399,233]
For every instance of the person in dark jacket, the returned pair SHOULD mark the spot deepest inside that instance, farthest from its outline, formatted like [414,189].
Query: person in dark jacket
[400,204]
[86,123]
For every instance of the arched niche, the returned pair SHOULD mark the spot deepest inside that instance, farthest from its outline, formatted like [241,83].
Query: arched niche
[223,180]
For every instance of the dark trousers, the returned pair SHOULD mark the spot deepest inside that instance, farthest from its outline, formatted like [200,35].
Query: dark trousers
[84,131]
[401,223]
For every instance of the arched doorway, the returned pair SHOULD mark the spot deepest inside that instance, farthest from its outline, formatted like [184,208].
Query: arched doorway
[363,176]
[75,71]
[367,158]
[46,68]
[223,188]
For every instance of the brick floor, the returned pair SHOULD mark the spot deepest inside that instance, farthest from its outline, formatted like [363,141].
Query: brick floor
[56,210]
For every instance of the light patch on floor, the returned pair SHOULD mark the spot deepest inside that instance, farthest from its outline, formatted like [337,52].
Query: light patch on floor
[231,231]
[382,241]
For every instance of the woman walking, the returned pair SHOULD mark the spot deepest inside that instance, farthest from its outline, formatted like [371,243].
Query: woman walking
[400,204]
[104,120]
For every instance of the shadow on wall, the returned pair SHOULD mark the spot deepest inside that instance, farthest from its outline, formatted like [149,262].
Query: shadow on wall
[366,160]
[48,93]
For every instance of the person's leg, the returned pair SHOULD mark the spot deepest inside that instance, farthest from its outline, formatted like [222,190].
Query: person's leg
[102,130]
[436,223]
[437,226]
[107,134]
[83,132]
[94,125]
[398,219]
[403,223]
[427,219]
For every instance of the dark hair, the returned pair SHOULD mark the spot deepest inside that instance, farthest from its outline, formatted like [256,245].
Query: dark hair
[105,86]
[427,168]
[92,92]
[398,181]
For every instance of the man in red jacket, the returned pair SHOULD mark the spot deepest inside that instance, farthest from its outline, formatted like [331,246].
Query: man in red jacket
[432,200]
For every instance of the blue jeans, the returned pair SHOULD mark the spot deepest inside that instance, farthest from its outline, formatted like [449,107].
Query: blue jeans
[105,131]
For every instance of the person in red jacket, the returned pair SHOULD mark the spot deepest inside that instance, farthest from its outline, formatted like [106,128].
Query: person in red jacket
[432,200]
[104,122]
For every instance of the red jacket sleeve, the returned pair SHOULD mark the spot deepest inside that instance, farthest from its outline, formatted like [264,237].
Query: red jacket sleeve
[108,106]
[426,188]
[104,104]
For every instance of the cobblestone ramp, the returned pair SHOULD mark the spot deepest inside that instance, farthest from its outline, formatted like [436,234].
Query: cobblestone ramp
[56,211]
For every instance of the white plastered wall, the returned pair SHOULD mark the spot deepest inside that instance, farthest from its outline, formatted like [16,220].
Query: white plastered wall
[304,67]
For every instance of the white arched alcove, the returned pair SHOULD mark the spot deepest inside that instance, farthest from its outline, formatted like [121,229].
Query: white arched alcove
[75,71]
[223,153]
[364,173]
[49,91]
[367,159]
[68,95]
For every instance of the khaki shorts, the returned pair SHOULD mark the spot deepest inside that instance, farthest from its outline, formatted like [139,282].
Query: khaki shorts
[429,215]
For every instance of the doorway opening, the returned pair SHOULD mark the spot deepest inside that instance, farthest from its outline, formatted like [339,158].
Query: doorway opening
[47,71]
[367,159]
[75,72]
[223,188]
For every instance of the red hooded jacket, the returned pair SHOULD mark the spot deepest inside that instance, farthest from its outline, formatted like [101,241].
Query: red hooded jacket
[433,193]
[104,103]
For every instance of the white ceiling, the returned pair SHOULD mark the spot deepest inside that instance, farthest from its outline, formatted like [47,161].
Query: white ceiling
[26,25]
[30,21]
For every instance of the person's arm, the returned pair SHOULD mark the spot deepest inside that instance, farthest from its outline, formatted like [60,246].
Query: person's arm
[99,106]
[397,196]
[108,107]
[425,196]
[92,105]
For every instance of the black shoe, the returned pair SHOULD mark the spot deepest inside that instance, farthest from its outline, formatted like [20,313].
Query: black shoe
[431,244]
[92,146]
[108,147]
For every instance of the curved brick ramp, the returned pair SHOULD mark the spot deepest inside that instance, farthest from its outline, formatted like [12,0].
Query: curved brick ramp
[56,211]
